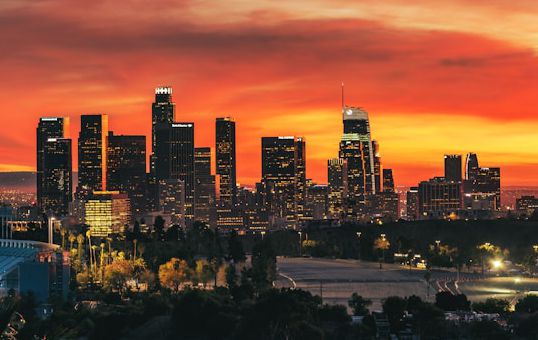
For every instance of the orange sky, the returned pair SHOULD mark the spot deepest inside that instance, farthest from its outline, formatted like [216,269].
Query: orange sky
[453,77]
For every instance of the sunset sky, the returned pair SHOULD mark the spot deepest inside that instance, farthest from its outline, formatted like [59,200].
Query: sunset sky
[444,76]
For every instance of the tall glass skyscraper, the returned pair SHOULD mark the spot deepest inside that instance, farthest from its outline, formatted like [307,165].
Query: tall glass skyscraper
[162,111]
[356,122]
[57,176]
[453,168]
[204,202]
[226,160]
[282,168]
[92,154]
[47,128]
[175,159]
[126,171]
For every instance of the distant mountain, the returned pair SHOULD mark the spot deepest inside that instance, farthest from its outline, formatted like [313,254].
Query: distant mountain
[23,181]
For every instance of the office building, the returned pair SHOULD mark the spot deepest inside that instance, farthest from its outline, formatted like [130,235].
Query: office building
[92,154]
[204,201]
[163,111]
[439,198]
[453,168]
[282,159]
[225,155]
[107,212]
[172,200]
[175,159]
[57,177]
[471,167]
[526,205]
[337,188]
[357,129]
[47,128]
[412,210]
[388,181]
[126,171]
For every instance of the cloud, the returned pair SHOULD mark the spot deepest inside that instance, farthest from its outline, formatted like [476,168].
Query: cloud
[276,70]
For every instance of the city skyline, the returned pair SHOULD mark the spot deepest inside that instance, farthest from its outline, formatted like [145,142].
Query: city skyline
[475,90]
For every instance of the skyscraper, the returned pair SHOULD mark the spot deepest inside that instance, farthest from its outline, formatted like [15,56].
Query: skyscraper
[453,168]
[352,153]
[226,160]
[471,167]
[92,154]
[126,171]
[48,127]
[388,181]
[281,158]
[356,122]
[378,169]
[57,176]
[204,201]
[337,178]
[300,177]
[175,159]
[412,203]
[162,111]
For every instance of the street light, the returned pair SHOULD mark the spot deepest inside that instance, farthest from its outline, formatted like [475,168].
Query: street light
[359,238]
[300,244]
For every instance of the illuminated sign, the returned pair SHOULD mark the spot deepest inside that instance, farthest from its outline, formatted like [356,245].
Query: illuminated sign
[182,125]
[163,90]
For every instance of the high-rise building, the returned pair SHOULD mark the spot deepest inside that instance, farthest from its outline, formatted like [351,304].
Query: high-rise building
[318,202]
[204,201]
[471,167]
[453,168]
[356,122]
[162,111]
[300,177]
[388,181]
[172,199]
[281,159]
[175,159]
[412,204]
[92,154]
[126,163]
[48,127]
[107,212]
[482,186]
[337,191]
[439,198]
[488,182]
[378,169]
[57,176]
[225,155]
[526,205]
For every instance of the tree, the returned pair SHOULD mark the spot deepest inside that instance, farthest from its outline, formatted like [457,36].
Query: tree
[117,274]
[158,227]
[492,305]
[394,307]
[263,265]
[235,248]
[529,304]
[174,273]
[359,305]
[204,271]
[381,244]
[449,302]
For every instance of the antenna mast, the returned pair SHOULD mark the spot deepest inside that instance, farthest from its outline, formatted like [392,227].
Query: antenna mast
[343,103]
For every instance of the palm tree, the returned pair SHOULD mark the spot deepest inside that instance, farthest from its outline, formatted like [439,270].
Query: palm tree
[381,243]
[71,239]
[80,243]
[63,232]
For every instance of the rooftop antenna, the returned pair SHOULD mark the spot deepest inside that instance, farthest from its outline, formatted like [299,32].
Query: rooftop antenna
[343,103]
